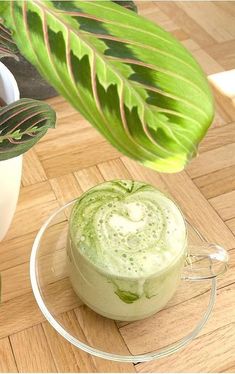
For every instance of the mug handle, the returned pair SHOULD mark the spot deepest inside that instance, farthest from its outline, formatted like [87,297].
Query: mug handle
[205,261]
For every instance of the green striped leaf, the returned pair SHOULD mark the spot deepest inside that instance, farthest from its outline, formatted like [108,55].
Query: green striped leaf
[22,124]
[128,77]
[127,4]
[7,45]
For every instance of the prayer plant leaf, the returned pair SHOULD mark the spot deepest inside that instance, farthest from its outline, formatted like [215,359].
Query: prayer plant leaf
[22,124]
[7,45]
[129,78]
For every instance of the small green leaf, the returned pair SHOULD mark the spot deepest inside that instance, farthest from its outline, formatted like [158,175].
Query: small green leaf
[16,135]
[22,124]
[126,296]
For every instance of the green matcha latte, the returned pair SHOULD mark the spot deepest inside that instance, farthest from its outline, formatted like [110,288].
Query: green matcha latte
[126,248]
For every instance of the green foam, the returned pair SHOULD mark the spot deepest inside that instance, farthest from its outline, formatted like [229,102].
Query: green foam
[127,229]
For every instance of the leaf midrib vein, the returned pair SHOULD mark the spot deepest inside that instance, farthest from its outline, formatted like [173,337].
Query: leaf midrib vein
[64,24]
[169,72]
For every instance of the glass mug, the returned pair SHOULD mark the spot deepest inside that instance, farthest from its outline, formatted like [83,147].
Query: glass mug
[126,298]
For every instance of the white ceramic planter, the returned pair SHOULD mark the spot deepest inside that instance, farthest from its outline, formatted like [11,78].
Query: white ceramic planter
[10,170]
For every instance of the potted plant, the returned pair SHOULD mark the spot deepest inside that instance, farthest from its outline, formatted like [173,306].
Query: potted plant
[128,77]
[22,123]
[30,82]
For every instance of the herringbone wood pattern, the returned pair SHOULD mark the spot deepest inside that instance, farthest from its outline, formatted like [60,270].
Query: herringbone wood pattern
[74,157]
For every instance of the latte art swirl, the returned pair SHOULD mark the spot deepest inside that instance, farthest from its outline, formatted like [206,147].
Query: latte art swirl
[127,229]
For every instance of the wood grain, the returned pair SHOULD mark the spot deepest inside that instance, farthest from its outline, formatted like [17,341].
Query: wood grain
[207,354]
[224,53]
[89,177]
[12,312]
[224,20]
[109,340]
[19,275]
[152,12]
[216,183]
[227,103]
[221,117]
[24,224]
[189,43]
[32,351]
[179,319]
[231,224]
[213,160]
[35,194]
[209,64]
[114,169]
[224,205]
[185,22]
[65,188]
[230,370]
[77,159]
[33,171]
[198,210]
[73,158]
[7,360]
[52,148]
[16,251]
[218,137]
[67,358]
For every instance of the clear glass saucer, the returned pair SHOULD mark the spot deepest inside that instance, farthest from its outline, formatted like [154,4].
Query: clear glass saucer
[160,335]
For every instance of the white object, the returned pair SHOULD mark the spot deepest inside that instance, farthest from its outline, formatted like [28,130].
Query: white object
[10,170]
[224,82]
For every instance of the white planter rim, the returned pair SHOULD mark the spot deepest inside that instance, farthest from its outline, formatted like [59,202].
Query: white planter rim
[8,78]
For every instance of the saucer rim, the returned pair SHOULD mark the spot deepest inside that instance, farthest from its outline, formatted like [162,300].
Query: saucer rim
[166,351]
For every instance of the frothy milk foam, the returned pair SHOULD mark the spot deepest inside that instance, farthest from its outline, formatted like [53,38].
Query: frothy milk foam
[126,245]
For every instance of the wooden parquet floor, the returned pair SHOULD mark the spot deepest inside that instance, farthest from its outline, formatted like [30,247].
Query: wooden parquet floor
[74,157]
